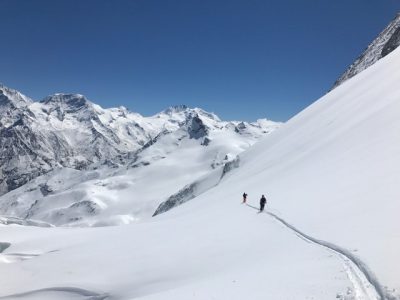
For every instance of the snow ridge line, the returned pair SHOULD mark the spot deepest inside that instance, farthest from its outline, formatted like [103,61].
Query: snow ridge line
[343,253]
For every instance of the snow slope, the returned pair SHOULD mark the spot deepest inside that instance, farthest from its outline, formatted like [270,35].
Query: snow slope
[340,158]
[333,169]
[331,178]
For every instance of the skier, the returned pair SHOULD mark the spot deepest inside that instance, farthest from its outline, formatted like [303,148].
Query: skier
[263,201]
[244,197]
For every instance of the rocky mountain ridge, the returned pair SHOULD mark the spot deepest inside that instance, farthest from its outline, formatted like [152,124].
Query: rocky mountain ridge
[382,45]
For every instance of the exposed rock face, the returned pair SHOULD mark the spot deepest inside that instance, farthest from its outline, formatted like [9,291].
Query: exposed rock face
[384,43]
[182,196]
[392,43]
[197,129]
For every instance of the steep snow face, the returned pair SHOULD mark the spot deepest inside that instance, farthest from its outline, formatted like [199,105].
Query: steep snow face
[333,171]
[386,42]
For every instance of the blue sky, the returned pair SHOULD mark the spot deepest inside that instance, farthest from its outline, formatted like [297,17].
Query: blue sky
[240,59]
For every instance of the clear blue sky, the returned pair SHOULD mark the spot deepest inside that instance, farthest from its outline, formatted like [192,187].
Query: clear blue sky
[240,59]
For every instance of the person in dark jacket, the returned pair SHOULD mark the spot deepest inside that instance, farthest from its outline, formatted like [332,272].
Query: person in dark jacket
[263,201]
[244,197]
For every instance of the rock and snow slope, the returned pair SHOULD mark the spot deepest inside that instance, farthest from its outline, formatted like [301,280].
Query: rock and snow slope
[382,45]
[331,173]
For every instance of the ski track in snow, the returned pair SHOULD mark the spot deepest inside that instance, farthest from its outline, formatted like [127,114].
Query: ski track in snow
[85,294]
[366,285]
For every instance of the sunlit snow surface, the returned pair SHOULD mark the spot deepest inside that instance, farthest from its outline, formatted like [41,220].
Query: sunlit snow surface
[332,172]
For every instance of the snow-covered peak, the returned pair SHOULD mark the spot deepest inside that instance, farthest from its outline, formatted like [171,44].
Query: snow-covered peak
[382,45]
[175,109]
[73,101]
[12,98]
[209,115]
[13,106]
[182,112]
[182,115]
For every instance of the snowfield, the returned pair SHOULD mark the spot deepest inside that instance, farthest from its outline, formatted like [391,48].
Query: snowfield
[331,230]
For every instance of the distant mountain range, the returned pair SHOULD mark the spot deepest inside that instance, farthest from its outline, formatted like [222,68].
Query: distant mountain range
[68,130]
[69,137]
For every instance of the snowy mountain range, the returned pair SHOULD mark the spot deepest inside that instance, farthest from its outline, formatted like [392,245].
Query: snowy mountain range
[68,136]
[382,45]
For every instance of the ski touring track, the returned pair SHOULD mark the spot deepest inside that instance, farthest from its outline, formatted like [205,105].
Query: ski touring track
[366,286]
